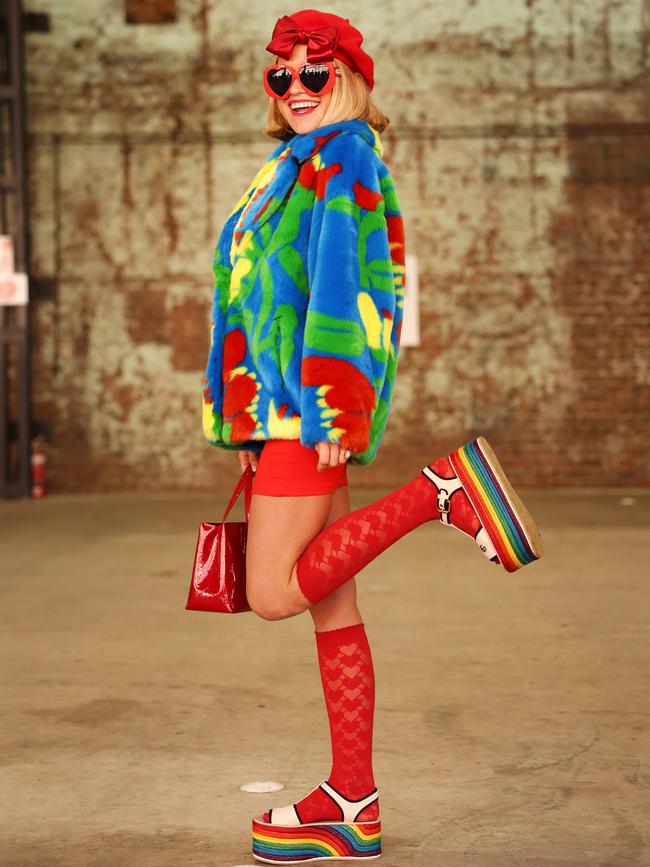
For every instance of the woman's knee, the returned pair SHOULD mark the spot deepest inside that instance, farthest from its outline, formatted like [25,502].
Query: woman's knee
[268,610]
[279,529]
[274,605]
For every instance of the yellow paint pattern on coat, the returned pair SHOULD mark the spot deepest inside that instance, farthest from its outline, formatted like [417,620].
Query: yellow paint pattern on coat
[372,321]
[261,179]
[399,275]
[378,146]
[282,428]
[328,412]
[241,248]
[241,263]
[209,421]
[240,270]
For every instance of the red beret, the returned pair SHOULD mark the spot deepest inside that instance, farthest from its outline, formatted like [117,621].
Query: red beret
[327,36]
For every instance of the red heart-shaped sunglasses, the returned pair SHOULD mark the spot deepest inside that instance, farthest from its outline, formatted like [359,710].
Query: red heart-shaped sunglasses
[316,78]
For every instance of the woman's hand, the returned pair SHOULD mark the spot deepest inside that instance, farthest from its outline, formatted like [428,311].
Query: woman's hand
[330,455]
[247,457]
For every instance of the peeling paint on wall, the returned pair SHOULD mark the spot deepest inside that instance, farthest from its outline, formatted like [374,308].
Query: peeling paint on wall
[519,145]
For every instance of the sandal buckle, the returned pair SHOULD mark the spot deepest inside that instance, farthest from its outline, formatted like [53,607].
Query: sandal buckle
[444,503]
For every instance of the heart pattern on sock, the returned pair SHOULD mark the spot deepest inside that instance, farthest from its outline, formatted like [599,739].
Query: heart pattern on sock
[348,680]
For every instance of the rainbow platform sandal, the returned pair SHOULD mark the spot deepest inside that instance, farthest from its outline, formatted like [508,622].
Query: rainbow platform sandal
[475,496]
[285,839]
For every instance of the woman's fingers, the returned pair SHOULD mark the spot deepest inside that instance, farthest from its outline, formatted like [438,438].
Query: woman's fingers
[323,450]
[247,457]
[330,455]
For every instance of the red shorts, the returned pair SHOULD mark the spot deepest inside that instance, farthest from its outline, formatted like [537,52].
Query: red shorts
[287,468]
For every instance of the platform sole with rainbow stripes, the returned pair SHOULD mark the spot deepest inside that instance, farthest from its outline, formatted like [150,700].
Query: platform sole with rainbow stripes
[507,521]
[319,841]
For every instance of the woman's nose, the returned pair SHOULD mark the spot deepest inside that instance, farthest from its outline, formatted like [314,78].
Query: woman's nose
[296,87]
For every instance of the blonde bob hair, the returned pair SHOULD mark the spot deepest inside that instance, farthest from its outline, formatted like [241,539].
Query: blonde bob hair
[350,100]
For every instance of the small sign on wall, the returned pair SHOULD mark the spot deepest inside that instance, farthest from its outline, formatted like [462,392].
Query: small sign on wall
[6,254]
[14,287]
[411,320]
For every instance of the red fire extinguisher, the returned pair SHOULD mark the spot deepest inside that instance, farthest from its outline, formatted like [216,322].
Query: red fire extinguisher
[38,468]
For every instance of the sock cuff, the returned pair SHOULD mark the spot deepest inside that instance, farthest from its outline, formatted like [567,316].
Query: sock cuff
[333,637]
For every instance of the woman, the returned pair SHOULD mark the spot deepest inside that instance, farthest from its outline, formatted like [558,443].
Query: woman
[306,323]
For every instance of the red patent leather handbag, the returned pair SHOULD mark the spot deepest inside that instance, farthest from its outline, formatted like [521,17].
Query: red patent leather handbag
[219,573]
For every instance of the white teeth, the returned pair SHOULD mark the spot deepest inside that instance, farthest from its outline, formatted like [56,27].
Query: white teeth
[295,105]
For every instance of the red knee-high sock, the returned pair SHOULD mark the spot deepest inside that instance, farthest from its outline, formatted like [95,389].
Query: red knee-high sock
[344,547]
[348,680]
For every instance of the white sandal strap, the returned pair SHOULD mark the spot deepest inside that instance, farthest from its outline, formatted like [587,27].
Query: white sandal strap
[485,543]
[284,816]
[288,815]
[350,809]
[446,488]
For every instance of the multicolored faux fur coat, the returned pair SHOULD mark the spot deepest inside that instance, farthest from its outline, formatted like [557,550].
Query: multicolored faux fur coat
[308,302]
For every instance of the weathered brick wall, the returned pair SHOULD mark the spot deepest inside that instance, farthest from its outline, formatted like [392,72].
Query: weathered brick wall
[520,144]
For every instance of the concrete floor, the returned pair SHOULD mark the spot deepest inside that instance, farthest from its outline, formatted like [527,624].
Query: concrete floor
[512,710]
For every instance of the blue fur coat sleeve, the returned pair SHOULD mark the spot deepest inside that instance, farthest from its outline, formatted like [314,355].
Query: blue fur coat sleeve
[354,314]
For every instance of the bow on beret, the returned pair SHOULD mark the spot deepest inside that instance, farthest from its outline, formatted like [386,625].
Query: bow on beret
[321,42]
[327,36]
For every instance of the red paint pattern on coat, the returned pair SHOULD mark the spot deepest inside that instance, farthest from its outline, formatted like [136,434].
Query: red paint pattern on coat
[239,390]
[320,141]
[262,209]
[364,197]
[317,179]
[234,351]
[395,226]
[351,394]
[207,391]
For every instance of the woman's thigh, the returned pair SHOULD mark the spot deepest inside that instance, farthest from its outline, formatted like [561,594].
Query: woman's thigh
[279,529]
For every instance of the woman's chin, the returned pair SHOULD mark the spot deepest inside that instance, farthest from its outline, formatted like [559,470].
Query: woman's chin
[301,125]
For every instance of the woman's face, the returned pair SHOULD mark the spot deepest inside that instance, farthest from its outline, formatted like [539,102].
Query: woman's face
[302,111]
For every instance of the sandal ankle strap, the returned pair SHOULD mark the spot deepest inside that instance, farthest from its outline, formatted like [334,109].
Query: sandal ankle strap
[349,809]
[289,816]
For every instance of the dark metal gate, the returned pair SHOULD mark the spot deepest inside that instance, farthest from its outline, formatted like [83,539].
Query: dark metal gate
[15,422]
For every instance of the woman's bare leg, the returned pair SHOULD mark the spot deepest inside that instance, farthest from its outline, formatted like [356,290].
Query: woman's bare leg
[279,529]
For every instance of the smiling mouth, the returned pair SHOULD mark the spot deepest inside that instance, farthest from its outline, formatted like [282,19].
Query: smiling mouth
[303,106]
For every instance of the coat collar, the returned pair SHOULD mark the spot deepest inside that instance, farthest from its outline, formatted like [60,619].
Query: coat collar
[307,144]
[283,166]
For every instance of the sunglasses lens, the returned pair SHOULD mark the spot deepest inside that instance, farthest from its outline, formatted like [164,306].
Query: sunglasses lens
[314,77]
[279,80]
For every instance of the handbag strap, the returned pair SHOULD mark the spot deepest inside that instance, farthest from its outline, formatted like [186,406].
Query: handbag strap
[245,482]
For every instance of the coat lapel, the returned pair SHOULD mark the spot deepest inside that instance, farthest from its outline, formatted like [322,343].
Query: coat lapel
[282,170]
[273,185]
